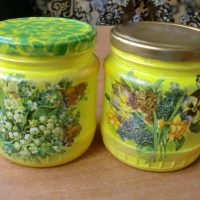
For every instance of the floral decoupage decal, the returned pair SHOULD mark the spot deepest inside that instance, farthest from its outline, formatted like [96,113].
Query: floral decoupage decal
[38,121]
[142,113]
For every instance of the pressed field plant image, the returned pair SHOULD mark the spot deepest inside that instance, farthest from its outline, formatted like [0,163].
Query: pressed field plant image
[152,119]
[39,121]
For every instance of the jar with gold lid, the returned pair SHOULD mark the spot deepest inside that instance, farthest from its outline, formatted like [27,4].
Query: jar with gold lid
[151,112]
[48,78]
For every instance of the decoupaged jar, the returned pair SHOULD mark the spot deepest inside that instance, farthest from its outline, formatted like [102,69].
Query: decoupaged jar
[151,114]
[48,78]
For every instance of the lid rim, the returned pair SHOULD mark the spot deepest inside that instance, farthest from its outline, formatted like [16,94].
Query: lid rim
[171,52]
[147,44]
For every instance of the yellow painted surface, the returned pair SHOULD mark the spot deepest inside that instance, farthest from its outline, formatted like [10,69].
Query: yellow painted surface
[123,71]
[77,69]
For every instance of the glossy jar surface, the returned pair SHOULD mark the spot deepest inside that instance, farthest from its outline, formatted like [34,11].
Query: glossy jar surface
[48,79]
[151,111]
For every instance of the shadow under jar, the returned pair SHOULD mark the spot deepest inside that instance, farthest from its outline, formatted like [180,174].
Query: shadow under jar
[48,78]
[151,113]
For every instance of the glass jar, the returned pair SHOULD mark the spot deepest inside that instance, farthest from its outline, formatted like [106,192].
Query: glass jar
[48,79]
[151,113]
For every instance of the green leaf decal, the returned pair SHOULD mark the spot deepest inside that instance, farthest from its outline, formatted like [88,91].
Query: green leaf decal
[155,131]
[177,107]
[107,96]
[179,143]
[195,128]
[157,85]
[2,96]
[44,112]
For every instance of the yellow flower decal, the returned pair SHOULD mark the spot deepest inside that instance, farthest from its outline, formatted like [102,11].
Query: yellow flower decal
[113,120]
[177,129]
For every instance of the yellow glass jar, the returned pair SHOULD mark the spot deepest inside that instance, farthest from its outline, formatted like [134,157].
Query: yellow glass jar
[151,112]
[48,79]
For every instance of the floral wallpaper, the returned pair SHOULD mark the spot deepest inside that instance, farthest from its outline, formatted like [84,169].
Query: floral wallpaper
[112,12]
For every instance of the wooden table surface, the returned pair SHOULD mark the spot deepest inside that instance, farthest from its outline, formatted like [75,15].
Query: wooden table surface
[97,174]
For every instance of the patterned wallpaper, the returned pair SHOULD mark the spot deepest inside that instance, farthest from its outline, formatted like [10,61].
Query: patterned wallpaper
[111,12]
[106,12]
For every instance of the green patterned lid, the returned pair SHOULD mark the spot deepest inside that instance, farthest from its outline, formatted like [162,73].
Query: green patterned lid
[45,36]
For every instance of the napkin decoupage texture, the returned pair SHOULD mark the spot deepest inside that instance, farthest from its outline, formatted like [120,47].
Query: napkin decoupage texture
[112,12]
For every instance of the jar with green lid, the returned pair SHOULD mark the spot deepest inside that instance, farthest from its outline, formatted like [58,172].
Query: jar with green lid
[151,113]
[48,79]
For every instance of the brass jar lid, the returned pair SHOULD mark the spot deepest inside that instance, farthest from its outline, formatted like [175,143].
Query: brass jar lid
[163,41]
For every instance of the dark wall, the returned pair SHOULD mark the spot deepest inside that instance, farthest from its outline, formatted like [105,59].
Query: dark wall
[15,8]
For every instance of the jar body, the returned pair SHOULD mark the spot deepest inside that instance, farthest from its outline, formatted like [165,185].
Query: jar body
[44,109]
[151,112]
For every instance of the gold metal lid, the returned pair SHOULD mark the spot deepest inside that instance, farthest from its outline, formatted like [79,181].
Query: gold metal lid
[163,41]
